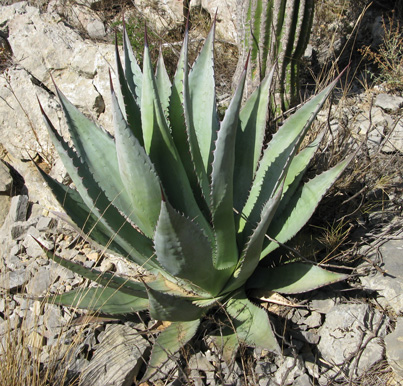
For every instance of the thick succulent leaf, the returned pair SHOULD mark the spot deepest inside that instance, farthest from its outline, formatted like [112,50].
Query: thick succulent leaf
[185,252]
[167,284]
[169,342]
[197,165]
[278,155]
[250,256]
[253,324]
[96,149]
[142,184]
[203,100]
[226,342]
[82,216]
[249,139]
[128,105]
[160,147]
[106,279]
[295,212]
[133,72]
[298,167]
[136,246]
[177,114]
[171,308]
[163,84]
[222,203]
[101,299]
[292,278]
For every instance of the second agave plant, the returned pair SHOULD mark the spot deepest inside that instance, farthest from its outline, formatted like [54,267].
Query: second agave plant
[195,201]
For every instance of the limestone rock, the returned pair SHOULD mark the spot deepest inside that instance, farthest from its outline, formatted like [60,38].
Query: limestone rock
[394,349]
[347,337]
[389,103]
[117,359]
[390,285]
[43,45]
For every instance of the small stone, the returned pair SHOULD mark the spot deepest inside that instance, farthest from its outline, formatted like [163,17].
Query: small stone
[394,349]
[6,180]
[106,265]
[36,340]
[14,279]
[290,369]
[94,256]
[313,320]
[40,283]
[389,103]
[46,223]
[345,329]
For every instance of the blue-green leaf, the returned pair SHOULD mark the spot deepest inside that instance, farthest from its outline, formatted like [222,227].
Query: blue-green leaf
[101,299]
[292,278]
[253,324]
[222,201]
[294,213]
[250,139]
[185,252]
[169,342]
[203,100]
[141,182]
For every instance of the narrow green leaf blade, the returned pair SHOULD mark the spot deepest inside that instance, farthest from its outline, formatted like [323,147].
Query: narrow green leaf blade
[128,90]
[293,278]
[171,308]
[96,149]
[105,279]
[169,342]
[161,149]
[253,325]
[142,184]
[203,100]
[295,212]
[133,72]
[278,156]
[222,184]
[250,140]
[102,300]
[163,84]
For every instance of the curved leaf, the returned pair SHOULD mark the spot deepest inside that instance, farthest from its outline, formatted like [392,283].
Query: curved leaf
[142,184]
[292,278]
[169,342]
[225,254]
[203,100]
[253,324]
[101,299]
[185,252]
[294,214]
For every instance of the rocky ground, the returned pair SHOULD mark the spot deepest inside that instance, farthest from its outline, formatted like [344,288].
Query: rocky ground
[350,333]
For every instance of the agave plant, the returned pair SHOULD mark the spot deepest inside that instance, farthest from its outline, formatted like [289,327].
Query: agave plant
[196,202]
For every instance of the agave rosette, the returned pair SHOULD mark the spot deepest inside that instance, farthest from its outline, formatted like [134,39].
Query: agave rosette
[190,199]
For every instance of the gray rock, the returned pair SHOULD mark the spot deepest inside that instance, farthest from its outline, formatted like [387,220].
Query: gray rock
[5,202]
[40,282]
[313,320]
[390,285]
[394,349]
[43,45]
[389,103]
[14,279]
[117,358]
[289,369]
[394,139]
[350,337]
[6,180]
